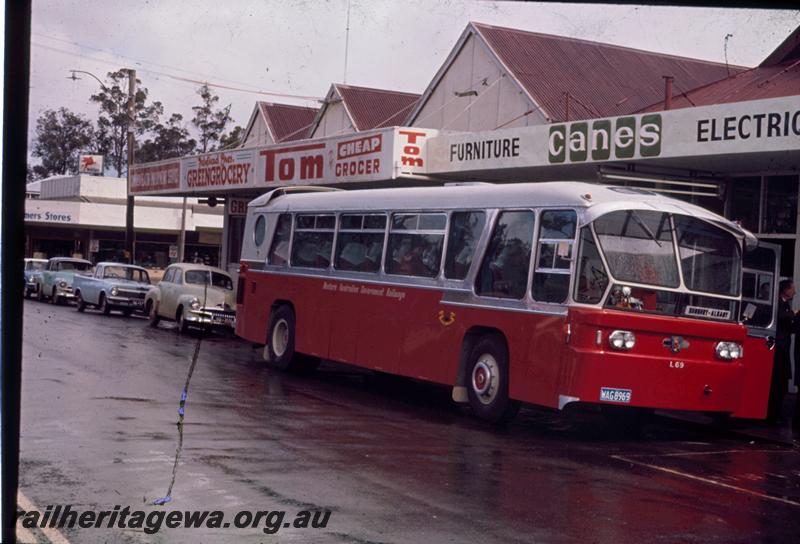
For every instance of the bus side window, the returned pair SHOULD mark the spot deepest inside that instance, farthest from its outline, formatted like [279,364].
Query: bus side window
[359,245]
[504,270]
[592,278]
[313,241]
[465,230]
[556,237]
[415,244]
[279,250]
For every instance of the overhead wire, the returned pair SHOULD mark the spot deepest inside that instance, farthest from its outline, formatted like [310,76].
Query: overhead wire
[142,61]
[184,79]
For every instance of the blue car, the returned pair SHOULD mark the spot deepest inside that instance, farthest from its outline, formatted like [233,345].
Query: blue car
[31,266]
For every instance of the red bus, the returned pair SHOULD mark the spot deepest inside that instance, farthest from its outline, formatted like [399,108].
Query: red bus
[544,293]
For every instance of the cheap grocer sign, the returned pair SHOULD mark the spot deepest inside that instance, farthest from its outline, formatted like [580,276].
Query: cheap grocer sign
[381,154]
[605,139]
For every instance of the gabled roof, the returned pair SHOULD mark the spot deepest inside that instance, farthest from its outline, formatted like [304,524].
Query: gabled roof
[788,50]
[755,84]
[368,108]
[285,122]
[601,79]
[777,76]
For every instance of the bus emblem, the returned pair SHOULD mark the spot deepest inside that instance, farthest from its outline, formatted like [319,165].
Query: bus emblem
[675,343]
[447,319]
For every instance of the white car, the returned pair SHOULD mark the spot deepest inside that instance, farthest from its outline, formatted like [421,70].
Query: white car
[193,295]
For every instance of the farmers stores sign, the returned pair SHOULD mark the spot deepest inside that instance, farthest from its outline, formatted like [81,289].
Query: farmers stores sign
[367,156]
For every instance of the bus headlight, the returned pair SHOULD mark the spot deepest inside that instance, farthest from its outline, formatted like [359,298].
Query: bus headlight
[195,304]
[622,340]
[728,351]
[114,291]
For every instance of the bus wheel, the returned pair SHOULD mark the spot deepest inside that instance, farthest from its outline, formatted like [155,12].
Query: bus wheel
[487,385]
[280,338]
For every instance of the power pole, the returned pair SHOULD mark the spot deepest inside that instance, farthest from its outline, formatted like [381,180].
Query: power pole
[129,232]
[182,237]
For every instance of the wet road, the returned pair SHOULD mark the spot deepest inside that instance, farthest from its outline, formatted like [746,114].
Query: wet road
[393,460]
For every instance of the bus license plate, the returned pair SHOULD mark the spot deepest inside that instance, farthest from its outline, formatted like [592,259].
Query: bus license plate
[612,394]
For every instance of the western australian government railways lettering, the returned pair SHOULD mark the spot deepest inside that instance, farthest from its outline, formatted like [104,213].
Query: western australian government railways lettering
[499,148]
[605,139]
[364,290]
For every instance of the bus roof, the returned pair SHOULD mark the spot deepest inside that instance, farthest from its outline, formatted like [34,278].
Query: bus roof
[590,199]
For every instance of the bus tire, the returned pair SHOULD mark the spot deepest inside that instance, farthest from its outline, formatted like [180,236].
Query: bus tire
[280,338]
[487,381]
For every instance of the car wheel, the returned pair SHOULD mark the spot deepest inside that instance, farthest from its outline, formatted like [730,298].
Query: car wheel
[104,306]
[80,304]
[152,314]
[27,292]
[487,386]
[53,298]
[39,294]
[279,350]
[183,325]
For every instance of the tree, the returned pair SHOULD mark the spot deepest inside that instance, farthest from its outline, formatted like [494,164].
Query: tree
[60,137]
[209,120]
[113,121]
[171,139]
[232,139]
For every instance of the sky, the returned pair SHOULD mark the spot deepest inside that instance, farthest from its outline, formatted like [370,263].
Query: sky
[297,47]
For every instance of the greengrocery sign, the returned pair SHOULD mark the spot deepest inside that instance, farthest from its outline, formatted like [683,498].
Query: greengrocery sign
[605,139]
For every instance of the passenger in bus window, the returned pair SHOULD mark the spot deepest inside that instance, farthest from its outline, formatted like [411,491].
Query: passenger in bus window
[411,263]
[510,270]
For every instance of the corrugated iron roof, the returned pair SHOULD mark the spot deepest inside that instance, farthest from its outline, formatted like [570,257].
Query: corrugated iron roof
[287,122]
[755,84]
[601,79]
[376,108]
[788,50]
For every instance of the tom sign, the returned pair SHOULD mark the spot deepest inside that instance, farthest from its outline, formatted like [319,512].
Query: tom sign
[381,154]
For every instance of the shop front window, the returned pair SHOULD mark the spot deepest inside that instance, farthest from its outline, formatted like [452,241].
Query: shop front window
[780,207]
[745,200]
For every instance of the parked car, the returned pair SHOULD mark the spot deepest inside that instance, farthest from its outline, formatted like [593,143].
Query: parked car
[193,295]
[55,281]
[113,286]
[31,266]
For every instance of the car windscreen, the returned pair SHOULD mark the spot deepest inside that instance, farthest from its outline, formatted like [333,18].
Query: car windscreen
[222,281]
[74,265]
[36,265]
[126,273]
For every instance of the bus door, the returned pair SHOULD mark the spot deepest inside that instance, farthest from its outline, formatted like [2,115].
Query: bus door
[760,278]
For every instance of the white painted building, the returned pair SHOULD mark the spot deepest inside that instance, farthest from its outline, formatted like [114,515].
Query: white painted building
[85,215]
